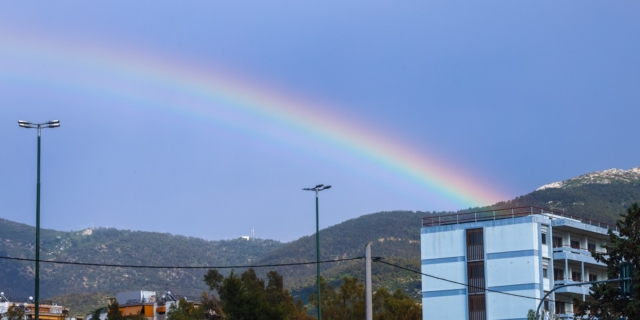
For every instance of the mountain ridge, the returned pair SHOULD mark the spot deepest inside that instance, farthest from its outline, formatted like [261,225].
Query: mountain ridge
[395,235]
[597,177]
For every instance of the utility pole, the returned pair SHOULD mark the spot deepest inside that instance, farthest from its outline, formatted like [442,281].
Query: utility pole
[367,283]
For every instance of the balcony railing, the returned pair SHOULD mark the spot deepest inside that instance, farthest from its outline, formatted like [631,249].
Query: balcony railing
[477,315]
[475,252]
[507,213]
[476,285]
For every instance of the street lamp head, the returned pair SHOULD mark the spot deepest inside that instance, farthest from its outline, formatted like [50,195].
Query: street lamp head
[24,124]
[54,125]
[53,122]
[326,187]
[307,189]
[319,186]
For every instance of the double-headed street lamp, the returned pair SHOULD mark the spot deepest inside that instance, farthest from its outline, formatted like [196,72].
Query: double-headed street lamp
[39,126]
[317,189]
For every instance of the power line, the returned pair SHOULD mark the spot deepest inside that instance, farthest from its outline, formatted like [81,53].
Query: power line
[378,259]
[178,267]
[375,259]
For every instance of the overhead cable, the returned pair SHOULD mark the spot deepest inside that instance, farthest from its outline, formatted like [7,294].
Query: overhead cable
[378,259]
[178,267]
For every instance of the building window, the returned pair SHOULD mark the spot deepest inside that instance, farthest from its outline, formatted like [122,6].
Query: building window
[576,276]
[544,238]
[557,242]
[593,277]
[575,244]
[560,307]
[591,247]
[475,276]
[545,273]
[558,274]
[477,308]
[475,244]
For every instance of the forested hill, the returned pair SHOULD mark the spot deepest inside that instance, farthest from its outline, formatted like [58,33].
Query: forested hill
[111,246]
[602,195]
[394,235]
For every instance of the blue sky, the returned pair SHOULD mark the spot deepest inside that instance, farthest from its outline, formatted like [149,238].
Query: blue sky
[515,94]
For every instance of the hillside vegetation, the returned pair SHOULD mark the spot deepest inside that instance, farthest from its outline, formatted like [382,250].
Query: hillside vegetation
[395,236]
[111,246]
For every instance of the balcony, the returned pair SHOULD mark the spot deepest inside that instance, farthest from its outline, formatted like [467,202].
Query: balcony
[576,254]
[574,289]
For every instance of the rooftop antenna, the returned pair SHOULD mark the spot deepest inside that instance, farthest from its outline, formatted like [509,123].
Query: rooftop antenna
[252,232]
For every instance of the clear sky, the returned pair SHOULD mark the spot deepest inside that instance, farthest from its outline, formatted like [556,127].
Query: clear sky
[207,118]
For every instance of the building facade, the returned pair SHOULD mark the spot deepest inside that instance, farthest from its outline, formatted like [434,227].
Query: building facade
[499,264]
[147,304]
[48,309]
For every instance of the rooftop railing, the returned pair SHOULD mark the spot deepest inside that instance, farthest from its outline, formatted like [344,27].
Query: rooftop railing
[507,213]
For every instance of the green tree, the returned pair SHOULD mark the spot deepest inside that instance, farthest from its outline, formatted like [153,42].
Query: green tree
[211,307]
[113,311]
[184,310]
[396,306]
[531,315]
[14,313]
[248,297]
[347,302]
[606,299]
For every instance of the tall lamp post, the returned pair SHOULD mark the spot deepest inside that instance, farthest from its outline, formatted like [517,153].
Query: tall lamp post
[317,189]
[39,126]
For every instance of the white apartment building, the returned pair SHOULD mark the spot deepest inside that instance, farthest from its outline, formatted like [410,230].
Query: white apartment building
[524,251]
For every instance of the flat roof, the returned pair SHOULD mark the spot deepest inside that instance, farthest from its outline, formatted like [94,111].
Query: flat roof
[508,213]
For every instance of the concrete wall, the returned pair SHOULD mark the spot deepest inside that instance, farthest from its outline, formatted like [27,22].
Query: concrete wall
[448,307]
[442,244]
[443,256]
[509,307]
[512,265]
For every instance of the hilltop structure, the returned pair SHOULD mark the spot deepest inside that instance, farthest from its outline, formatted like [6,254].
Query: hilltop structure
[499,264]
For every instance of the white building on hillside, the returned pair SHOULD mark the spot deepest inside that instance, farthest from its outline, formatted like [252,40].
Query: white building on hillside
[523,251]
[4,304]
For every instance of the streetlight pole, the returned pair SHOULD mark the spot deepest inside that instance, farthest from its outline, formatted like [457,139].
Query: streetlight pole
[317,189]
[39,126]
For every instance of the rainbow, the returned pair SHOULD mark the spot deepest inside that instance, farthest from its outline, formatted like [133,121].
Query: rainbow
[219,95]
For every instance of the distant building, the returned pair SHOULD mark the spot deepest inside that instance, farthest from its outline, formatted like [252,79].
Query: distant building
[249,237]
[146,303]
[524,251]
[48,309]
[4,304]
